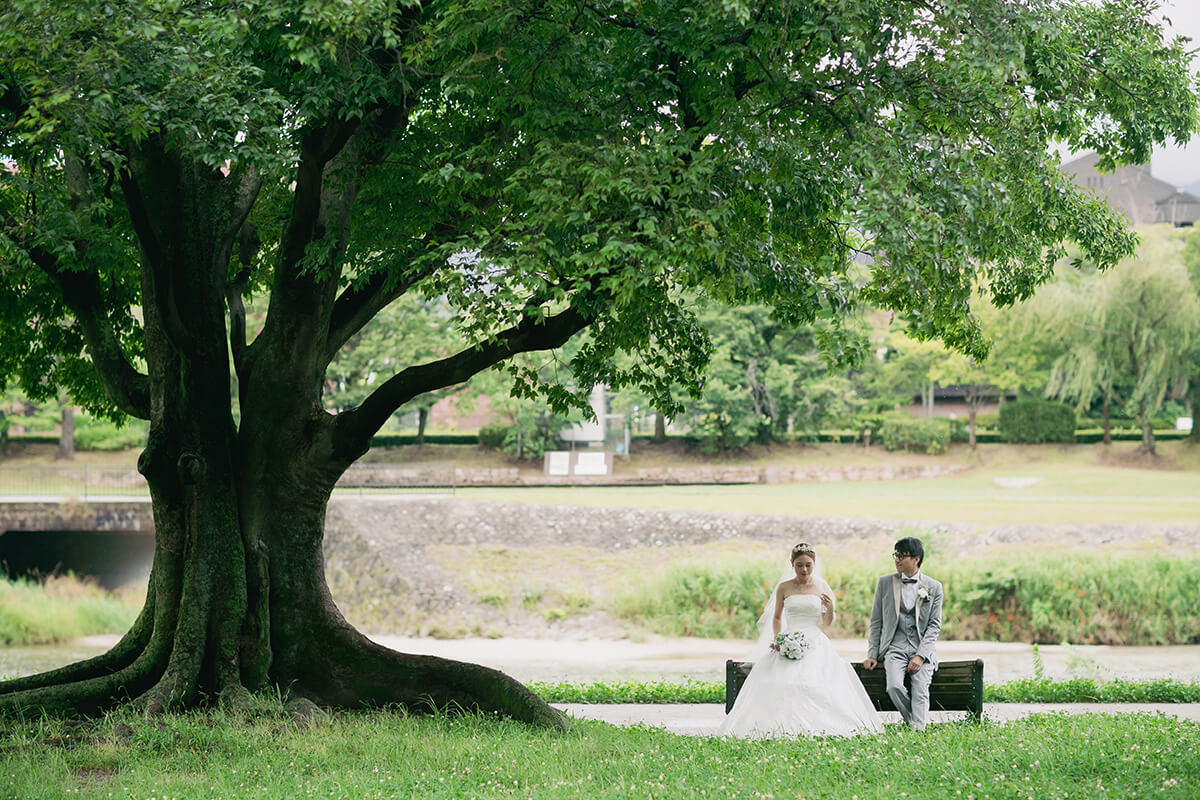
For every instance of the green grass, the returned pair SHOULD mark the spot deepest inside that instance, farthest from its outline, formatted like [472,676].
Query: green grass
[1028,690]
[61,608]
[1088,597]
[385,755]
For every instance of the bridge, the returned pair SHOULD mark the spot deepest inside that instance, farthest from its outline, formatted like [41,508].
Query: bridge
[97,520]
[110,540]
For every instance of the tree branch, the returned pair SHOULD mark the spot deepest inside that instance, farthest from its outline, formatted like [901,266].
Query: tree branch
[152,250]
[127,388]
[357,306]
[355,428]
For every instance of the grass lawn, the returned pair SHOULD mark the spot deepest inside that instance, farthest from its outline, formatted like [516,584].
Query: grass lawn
[385,755]
[1075,485]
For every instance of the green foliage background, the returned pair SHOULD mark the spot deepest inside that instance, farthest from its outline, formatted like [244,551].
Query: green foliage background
[1081,599]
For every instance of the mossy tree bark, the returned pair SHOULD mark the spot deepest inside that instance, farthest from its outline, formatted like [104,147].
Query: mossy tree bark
[237,599]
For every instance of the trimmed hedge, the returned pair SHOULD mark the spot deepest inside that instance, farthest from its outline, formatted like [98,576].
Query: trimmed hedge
[1094,435]
[33,438]
[399,439]
[1036,421]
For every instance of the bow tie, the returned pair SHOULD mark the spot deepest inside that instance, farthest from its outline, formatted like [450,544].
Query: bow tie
[908,580]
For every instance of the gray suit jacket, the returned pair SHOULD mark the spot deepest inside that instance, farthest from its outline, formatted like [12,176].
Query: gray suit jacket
[886,613]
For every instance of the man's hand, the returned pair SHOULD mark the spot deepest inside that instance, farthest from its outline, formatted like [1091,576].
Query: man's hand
[870,664]
[914,664]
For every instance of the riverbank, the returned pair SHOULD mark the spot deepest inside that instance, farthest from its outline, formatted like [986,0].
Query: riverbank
[449,567]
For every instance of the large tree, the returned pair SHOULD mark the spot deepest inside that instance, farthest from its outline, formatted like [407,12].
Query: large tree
[1128,334]
[546,167]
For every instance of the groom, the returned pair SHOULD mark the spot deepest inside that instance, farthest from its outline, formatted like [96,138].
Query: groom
[905,622]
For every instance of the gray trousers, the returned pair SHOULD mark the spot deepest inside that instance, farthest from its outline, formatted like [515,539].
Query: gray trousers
[913,706]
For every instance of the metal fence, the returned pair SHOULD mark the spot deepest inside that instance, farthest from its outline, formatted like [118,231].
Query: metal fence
[83,481]
[106,483]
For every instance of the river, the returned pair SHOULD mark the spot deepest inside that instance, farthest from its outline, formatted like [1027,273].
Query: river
[702,659]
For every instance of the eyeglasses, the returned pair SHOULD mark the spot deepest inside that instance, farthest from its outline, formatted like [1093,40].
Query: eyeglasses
[903,555]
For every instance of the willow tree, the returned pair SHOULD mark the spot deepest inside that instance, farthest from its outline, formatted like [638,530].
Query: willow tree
[546,169]
[1128,334]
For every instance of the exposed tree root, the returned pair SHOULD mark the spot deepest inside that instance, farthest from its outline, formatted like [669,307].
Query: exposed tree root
[348,670]
[336,667]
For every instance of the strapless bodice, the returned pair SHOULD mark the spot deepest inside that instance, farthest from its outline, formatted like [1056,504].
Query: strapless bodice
[802,611]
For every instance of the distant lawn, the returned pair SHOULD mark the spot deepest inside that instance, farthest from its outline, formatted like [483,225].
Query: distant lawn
[1083,484]
[1072,488]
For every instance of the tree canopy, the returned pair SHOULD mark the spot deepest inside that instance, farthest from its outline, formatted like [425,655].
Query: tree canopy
[543,168]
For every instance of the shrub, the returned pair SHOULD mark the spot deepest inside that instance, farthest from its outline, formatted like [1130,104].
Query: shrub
[904,432]
[58,609]
[530,439]
[717,432]
[1082,599]
[492,436]
[701,599]
[100,434]
[404,439]
[1034,421]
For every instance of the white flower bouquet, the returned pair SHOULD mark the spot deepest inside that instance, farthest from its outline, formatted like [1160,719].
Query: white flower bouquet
[792,645]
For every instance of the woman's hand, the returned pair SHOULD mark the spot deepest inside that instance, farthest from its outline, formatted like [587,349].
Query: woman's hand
[826,604]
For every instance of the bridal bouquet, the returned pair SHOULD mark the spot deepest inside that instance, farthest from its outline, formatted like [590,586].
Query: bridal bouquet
[792,645]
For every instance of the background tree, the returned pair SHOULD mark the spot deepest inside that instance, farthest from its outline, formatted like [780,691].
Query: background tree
[532,426]
[908,364]
[766,379]
[408,331]
[1011,365]
[545,168]
[1191,260]
[1128,333]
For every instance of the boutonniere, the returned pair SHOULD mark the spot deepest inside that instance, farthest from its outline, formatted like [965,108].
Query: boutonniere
[922,593]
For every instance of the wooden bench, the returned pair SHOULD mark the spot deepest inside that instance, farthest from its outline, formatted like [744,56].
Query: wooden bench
[956,686]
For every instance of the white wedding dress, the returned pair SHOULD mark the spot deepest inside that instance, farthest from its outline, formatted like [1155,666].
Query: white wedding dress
[816,695]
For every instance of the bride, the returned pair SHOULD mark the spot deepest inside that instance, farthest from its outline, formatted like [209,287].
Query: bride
[806,689]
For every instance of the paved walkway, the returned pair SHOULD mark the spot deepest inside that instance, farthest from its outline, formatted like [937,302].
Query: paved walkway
[703,719]
[663,659]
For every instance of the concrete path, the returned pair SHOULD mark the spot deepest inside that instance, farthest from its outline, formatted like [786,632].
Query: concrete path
[662,659]
[703,719]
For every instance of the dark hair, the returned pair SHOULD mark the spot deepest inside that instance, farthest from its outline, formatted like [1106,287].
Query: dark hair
[911,546]
[804,548]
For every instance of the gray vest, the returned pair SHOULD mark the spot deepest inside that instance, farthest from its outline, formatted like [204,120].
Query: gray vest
[906,639]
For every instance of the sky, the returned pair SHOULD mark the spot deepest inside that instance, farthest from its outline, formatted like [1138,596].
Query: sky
[1172,163]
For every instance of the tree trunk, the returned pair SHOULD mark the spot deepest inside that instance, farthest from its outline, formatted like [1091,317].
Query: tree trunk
[1194,410]
[66,438]
[1107,418]
[971,409]
[238,602]
[660,428]
[422,420]
[1147,426]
